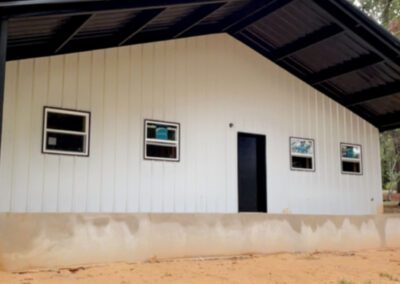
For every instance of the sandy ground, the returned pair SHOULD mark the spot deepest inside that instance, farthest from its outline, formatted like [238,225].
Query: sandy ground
[374,266]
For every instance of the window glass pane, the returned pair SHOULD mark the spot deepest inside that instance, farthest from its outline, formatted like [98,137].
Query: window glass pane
[351,151]
[172,133]
[62,121]
[301,146]
[157,151]
[351,167]
[302,163]
[151,131]
[161,131]
[65,142]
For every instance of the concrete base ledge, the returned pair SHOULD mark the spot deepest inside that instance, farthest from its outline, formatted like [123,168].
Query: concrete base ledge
[58,240]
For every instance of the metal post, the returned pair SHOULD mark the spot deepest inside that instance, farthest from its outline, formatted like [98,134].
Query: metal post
[3,59]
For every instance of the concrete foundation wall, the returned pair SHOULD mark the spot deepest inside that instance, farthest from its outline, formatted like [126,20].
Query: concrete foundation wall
[54,240]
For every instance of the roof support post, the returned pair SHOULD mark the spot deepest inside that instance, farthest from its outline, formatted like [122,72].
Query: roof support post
[3,56]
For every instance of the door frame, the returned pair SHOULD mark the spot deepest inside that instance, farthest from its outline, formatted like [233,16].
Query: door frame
[265,167]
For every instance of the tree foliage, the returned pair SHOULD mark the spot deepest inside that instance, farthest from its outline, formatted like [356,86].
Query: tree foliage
[390,154]
[387,13]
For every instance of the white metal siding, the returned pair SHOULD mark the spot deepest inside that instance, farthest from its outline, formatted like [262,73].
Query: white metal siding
[204,83]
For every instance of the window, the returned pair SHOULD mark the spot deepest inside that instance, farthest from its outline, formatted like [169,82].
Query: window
[351,158]
[301,154]
[66,132]
[161,140]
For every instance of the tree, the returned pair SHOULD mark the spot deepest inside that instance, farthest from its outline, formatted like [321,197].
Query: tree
[390,154]
[387,13]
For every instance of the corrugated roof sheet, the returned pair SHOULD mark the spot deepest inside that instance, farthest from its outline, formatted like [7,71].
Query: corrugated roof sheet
[327,43]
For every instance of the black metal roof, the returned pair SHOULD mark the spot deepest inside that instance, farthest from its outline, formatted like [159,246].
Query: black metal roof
[329,44]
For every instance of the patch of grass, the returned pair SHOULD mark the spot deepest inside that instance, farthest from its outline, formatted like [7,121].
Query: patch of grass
[388,276]
[345,281]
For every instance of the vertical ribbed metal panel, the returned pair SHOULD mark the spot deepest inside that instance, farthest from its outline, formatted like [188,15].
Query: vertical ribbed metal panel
[204,83]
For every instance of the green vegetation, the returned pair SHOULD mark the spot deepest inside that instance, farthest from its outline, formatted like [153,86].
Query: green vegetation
[387,13]
[390,154]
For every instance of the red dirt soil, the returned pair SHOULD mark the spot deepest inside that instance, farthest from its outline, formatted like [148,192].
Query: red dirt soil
[372,266]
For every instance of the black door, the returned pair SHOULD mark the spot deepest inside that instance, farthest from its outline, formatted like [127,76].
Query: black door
[252,173]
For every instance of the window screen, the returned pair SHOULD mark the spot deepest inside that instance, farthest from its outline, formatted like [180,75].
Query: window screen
[351,158]
[66,132]
[302,154]
[161,140]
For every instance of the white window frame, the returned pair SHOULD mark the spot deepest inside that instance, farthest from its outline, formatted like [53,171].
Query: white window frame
[85,133]
[352,160]
[301,155]
[159,142]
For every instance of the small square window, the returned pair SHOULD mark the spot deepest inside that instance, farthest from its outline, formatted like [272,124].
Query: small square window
[66,132]
[302,154]
[351,158]
[161,140]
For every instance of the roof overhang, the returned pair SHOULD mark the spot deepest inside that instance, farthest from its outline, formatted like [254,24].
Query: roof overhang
[329,44]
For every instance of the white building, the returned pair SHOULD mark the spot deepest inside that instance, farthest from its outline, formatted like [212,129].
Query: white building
[162,121]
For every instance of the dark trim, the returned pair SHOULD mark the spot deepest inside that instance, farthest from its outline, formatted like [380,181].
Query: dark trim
[149,36]
[372,94]
[92,44]
[138,23]
[11,3]
[361,160]
[388,121]
[314,169]
[144,141]
[201,30]
[265,168]
[349,66]
[3,61]
[189,22]
[70,29]
[239,15]
[309,40]
[22,52]
[31,8]
[72,153]
[256,15]
[180,29]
